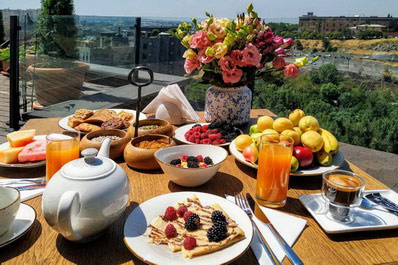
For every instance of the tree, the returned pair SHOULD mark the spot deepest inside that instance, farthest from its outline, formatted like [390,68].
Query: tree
[327,73]
[1,28]
[155,32]
[298,45]
[56,30]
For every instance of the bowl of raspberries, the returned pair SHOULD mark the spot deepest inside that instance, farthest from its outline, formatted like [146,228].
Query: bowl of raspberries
[216,133]
[191,165]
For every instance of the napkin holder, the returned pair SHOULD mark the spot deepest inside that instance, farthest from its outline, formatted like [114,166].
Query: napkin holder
[169,112]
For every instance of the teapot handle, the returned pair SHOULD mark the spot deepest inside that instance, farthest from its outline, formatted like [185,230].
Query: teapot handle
[68,203]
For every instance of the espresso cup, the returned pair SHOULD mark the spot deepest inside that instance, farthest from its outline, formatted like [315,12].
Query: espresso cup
[10,199]
[342,190]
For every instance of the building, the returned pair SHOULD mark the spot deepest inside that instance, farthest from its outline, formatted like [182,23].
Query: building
[311,23]
[373,27]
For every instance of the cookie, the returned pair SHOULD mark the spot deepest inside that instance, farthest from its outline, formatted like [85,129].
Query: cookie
[87,127]
[114,123]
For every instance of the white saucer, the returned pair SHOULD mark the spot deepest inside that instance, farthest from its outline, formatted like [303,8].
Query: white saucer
[23,222]
[364,219]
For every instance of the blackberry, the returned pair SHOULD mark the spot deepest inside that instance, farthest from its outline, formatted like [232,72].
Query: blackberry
[193,159]
[218,216]
[192,164]
[215,234]
[221,225]
[192,222]
[208,160]
[175,162]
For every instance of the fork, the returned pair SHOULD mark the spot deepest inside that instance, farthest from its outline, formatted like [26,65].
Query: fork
[243,204]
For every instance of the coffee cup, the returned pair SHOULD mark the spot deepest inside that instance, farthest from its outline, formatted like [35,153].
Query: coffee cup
[10,200]
[342,190]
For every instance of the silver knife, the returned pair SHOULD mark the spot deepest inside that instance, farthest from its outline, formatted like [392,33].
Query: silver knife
[292,256]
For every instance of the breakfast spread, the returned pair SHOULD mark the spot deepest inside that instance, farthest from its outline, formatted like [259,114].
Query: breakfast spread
[85,120]
[215,133]
[23,148]
[194,229]
[192,161]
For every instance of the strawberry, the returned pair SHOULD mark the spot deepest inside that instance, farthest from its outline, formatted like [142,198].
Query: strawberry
[170,213]
[170,231]
[203,165]
[181,210]
[184,158]
[189,243]
[200,158]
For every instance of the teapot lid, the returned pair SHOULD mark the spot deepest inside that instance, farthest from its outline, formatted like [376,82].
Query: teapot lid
[88,167]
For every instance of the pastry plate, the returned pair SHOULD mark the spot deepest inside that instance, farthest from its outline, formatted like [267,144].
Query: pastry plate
[27,164]
[137,242]
[24,220]
[180,132]
[338,160]
[63,123]
[364,219]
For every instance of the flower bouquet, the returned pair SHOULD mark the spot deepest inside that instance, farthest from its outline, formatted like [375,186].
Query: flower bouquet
[229,54]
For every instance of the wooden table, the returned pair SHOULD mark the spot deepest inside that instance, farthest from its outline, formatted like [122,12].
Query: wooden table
[42,245]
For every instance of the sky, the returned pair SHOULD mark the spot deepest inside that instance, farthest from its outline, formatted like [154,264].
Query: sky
[221,8]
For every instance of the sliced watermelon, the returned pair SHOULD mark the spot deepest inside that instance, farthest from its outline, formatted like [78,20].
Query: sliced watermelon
[35,151]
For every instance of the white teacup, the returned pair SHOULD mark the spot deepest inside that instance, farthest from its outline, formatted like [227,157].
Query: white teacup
[10,199]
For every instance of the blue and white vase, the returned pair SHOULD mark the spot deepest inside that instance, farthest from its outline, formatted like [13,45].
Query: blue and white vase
[230,104]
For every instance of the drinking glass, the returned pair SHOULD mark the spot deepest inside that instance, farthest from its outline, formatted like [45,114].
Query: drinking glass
[62,147]
[274,160]
[342,191]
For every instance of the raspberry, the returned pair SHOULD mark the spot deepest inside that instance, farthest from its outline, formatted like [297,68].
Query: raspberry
[197,141]
[197,128]
[187,214]
[222,141]
[218,216]
[219,136]
[196,135]
[216,142]
[181,210]
[170,213]
[191,139]
[192,222]
[203,165]
[208,160]
[203,135]
[184,158]
[170,231]
[189,243]
[179,165]
[206,141]
[205,127]
[213,137]
[200,158]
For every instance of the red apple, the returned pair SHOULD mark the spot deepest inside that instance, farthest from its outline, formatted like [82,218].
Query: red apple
[303,155]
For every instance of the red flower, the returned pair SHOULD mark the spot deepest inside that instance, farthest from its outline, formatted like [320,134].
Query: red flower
[278,63]
[199,40]
[237,58]
[291,70]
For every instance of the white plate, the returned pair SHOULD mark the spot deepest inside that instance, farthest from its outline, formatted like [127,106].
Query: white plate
[137,222]
[364,219]
[24,220]
[27,164]
[337,162]
[179,133]
[63,123]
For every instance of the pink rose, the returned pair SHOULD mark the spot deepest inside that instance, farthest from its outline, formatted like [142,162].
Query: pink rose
[199,40]
[203,58]
[191,64]
[232,76]
[251,55]
[277,41]
[291,70]
[279,51]
[226,63]
[288,42]
[237,58]
[278,63]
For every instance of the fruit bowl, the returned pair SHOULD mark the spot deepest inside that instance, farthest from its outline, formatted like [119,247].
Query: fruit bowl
[143,158]
[190,177]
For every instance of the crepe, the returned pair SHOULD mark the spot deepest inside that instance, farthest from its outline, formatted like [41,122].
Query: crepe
[157,227]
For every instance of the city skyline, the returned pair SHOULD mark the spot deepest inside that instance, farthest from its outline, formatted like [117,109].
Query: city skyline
[224,8]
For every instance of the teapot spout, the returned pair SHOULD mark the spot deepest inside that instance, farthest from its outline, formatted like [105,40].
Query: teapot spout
[105,147]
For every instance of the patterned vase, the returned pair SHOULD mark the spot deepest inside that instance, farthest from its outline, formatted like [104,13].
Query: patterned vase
[228,104]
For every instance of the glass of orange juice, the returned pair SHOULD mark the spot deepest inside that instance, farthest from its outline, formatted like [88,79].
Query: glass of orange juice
[274,158]
[62,147]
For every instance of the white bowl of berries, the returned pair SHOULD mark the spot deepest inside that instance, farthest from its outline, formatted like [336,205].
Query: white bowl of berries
[191,165]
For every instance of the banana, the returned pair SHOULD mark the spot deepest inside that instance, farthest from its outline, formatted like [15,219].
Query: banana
[330,143]
[325,159]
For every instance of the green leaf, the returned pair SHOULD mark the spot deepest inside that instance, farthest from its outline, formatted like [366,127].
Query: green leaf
[249,8]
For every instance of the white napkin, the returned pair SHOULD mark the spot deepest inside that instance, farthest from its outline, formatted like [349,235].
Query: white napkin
[25,194]
[290,228]
[172,94]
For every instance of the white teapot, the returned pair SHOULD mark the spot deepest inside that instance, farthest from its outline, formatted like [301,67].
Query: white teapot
[86,195]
